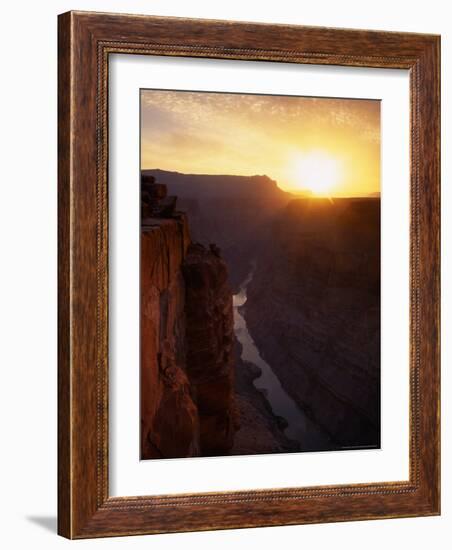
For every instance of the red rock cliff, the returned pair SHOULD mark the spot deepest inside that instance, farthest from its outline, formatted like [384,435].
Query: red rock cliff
[186,336]
[210,354]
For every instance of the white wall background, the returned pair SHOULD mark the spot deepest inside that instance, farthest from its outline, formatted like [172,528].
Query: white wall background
[28,234]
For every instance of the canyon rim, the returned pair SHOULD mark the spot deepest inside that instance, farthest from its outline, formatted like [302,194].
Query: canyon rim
[259,274]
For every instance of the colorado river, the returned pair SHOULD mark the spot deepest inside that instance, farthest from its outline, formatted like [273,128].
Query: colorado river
[300,428]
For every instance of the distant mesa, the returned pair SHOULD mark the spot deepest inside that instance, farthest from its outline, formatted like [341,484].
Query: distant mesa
[209,186]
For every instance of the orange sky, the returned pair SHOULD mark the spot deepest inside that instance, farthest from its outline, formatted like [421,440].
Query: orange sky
[328,146]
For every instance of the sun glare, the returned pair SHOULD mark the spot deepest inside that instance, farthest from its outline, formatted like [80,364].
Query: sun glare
[318,172]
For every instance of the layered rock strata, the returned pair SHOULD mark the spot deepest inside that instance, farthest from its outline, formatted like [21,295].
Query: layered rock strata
[169,416]
[313,309]
[209,342]
[187,369]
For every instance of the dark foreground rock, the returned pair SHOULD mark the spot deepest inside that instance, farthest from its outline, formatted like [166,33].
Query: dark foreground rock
[187,366]
[169,416]
[209,340]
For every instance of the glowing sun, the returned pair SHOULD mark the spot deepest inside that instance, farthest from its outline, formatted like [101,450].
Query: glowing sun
[318,172]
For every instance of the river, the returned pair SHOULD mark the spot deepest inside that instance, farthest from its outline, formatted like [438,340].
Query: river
[299,427]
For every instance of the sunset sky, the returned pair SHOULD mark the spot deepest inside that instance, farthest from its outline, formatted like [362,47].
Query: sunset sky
[328,146]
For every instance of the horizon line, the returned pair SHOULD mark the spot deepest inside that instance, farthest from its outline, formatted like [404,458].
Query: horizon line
[301,194]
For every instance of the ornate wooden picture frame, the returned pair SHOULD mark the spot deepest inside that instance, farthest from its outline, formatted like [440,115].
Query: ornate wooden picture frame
[86,41]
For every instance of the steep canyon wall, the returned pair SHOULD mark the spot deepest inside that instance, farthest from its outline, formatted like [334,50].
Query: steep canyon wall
[314,311]
[187,404]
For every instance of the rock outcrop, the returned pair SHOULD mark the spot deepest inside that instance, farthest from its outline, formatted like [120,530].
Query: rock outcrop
[314,311]
[187,405]
[169,417]
[209,341]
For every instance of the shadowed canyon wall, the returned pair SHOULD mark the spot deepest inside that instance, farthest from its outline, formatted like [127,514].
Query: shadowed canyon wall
[209,340]
[314,311]
[187,369]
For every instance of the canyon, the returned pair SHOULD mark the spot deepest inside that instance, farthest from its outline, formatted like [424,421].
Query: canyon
[197,396]
[313,309]
[260,318]
[187,405]
[234,212]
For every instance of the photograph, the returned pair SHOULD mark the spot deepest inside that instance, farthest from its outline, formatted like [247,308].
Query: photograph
[223,322]
[259,274]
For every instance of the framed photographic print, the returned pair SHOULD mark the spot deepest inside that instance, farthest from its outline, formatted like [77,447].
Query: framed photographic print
[248,275]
